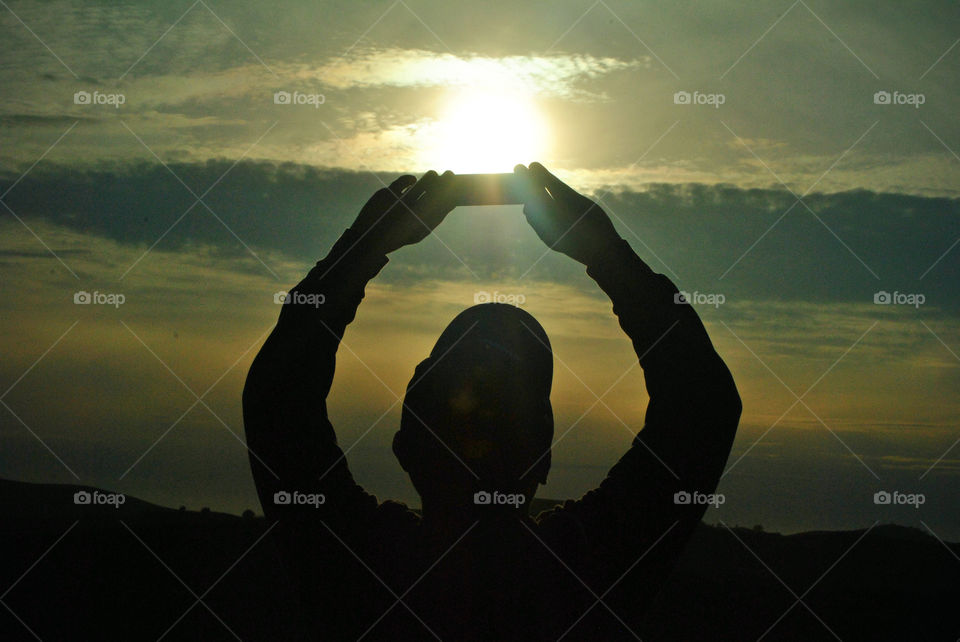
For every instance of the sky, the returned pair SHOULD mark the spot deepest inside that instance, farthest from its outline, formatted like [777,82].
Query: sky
[793,164]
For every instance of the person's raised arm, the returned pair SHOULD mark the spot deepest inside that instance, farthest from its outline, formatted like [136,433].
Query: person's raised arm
[300,472]
[292,444]
[693,411]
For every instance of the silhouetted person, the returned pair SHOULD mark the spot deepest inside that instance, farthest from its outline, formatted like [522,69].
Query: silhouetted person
[477,419]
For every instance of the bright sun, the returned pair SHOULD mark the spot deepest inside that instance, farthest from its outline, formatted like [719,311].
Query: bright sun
[488,131]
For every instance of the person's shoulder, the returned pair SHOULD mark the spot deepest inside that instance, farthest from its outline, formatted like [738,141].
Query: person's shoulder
[561,528]
[397,515]
[558,513]
[562,518]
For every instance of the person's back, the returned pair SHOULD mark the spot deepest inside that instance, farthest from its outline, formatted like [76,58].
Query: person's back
[475,437]
[505,578]
[493,581]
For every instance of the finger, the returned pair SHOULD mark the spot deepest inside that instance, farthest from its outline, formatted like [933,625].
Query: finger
[558,188]
[403,183]
[445,185]
[440,190]
[537,202]
[532,181]
[528,182]
[385,197]
[439,200]
[414,193]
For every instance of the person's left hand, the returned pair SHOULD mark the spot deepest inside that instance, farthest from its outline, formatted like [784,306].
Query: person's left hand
[404,213]
[564,219]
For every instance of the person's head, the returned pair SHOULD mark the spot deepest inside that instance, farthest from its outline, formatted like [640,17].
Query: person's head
[477,414]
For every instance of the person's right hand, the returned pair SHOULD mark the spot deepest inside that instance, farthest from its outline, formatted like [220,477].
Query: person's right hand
[565,220]
[404,213]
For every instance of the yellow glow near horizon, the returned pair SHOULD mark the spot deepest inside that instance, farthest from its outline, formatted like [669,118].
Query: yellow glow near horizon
[488,131]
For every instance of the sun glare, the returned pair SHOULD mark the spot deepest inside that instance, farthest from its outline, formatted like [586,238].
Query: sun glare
[488,131]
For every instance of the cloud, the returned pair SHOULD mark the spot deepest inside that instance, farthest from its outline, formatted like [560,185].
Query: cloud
[196,91]
[553,75]
[756,244]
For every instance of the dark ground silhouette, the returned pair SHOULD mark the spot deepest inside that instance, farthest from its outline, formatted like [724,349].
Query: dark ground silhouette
[100,583]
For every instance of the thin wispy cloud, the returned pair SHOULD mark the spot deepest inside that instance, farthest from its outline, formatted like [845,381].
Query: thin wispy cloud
[560,76]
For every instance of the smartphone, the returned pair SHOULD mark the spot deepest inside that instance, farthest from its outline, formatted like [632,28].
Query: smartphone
[488,189]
